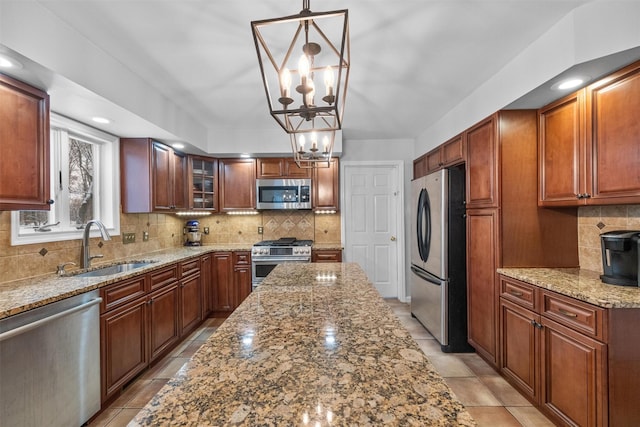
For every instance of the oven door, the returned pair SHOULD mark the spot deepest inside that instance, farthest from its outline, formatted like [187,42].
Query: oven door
[260,268]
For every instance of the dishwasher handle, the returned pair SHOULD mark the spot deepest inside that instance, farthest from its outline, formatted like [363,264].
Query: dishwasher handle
[30,326]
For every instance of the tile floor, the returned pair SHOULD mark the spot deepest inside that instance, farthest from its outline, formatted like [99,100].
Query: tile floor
[491,401]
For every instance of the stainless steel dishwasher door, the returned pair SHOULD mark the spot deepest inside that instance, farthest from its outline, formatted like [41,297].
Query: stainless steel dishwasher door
[50,364]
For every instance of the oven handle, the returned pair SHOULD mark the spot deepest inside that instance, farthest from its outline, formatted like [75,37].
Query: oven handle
[279,260]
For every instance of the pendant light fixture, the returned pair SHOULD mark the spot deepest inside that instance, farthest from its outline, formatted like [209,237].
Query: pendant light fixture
[304,63]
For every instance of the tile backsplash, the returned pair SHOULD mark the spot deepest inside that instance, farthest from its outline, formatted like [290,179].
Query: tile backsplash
[165,231]
[594,220]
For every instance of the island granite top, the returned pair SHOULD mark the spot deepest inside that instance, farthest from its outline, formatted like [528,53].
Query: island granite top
[581,284]
[315,344]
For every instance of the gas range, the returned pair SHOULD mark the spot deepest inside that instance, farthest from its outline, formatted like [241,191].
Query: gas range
[266,255]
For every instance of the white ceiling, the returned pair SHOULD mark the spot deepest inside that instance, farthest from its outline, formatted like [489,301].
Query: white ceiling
[412,60]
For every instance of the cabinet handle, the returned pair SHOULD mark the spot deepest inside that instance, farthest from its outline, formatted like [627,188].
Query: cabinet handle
[515,293]
[50,201]
[536,324]
[566,313]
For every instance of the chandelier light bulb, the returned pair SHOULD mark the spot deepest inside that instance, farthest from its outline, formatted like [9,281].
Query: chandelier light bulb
[328,80]
[285,82]
[314,141]
[303,67]
[312,91]
[325,144]
[301,141]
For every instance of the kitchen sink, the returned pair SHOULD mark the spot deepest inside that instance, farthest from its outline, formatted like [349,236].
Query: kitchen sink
[112,269]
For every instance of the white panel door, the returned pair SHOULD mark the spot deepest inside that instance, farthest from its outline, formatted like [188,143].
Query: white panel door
[370,212]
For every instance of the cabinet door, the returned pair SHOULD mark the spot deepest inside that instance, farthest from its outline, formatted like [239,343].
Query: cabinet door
[574,376]
[203,183]
[452,151]
[561,153]
[270,168]
[325,183]
[434,160]
[162,163]
[163,319]
[179,181]
[614,137]
[190,303]
[482,261]
[326,255]
[519,344]
[24,143]
[222,282]
[237,184]
[242,283]
[207,285]
[292,170]
[123,345]
[482,164]
[420,167]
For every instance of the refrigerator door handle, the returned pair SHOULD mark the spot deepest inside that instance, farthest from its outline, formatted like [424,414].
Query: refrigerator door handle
[426,276]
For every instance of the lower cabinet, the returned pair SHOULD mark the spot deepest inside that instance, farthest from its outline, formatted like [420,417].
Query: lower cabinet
[206,266]
[143,317]
[222,284]
[241,276]
[326,255]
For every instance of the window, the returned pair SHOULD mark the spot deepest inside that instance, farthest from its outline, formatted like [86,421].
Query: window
[84,186]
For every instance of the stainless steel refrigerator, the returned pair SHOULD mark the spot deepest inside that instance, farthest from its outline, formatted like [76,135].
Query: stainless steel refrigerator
[438,257]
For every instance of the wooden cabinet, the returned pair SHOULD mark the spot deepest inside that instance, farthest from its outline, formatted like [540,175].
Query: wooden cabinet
[203,183]
[273,168]
[123,334]
[241,276]
[326,255]
[588,144]
[164,328]
[506,233]
[190,303]
[222,284]
[448,154]
[206,266]
[24,143]
[237,184]
[482,259]
[153,177]
[482,164]
[325,187]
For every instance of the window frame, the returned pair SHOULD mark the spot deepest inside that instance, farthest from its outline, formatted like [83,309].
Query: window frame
[107,194]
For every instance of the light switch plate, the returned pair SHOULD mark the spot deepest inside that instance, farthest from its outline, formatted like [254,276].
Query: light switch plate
[128,238]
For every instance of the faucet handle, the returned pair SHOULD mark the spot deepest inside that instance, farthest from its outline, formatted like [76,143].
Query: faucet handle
[96,256]
[60,268]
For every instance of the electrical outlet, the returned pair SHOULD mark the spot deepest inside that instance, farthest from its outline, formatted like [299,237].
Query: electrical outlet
[128,238]
[206,230]
[145,236]
[260,230]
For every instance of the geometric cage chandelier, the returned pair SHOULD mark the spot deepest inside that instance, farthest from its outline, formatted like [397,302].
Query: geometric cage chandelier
[304,63]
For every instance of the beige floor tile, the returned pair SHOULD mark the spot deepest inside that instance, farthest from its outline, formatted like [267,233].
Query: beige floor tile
[171,368]
[414,327]
[152,372]
[103,419]
[504,391]
[143,396]
[449,365]
[529,416]
[123,418]
[472,392]
[477,364]
[492,416]
[190,349]
[129,392]
[429,346]
[205,333]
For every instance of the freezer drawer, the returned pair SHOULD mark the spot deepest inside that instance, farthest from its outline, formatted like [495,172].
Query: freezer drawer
[429,303]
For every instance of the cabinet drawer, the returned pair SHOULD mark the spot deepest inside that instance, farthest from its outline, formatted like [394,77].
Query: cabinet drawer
[519,292]
[120,293]
[189,267]
[580,316]
[242,258]
[163,277]
[327,255]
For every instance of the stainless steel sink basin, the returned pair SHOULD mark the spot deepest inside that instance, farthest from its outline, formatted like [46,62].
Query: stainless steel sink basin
[113,269]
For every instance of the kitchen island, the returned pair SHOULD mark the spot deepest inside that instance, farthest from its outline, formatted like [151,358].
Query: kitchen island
[315,344]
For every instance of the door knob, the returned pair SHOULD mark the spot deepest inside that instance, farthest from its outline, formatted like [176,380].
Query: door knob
[393,238]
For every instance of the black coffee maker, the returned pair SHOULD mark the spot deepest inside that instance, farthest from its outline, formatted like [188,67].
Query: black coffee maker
[620,257]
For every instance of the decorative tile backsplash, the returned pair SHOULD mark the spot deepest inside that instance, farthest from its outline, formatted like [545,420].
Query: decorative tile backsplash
[165,231]
[594,220]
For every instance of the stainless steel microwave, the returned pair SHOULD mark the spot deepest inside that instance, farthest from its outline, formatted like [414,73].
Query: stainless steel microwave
[283,194]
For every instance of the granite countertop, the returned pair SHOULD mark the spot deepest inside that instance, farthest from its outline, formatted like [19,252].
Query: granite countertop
[26,294]
[315,344]
[581,284]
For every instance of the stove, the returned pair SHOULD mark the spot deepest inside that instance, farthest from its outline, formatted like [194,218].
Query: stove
[267,254]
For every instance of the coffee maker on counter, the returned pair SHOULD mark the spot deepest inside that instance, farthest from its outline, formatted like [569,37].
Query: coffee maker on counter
[192,232]
[620,257]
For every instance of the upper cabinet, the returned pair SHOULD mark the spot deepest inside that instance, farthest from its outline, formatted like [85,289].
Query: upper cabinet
[24,143]
[237,184]
[325,187]
[588,144]
[203,183]
[273,168]
[153,177]
[448,154]
[482,164]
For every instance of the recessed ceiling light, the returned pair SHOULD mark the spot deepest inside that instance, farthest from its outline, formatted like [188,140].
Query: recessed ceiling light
[177,145]
[101,120]
[245,156]
[7,62]
[569,83]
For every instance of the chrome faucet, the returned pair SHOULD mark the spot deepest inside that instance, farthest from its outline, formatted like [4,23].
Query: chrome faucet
[86,259]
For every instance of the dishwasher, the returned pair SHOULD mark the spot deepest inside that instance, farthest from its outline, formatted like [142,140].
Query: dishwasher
[50,364]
